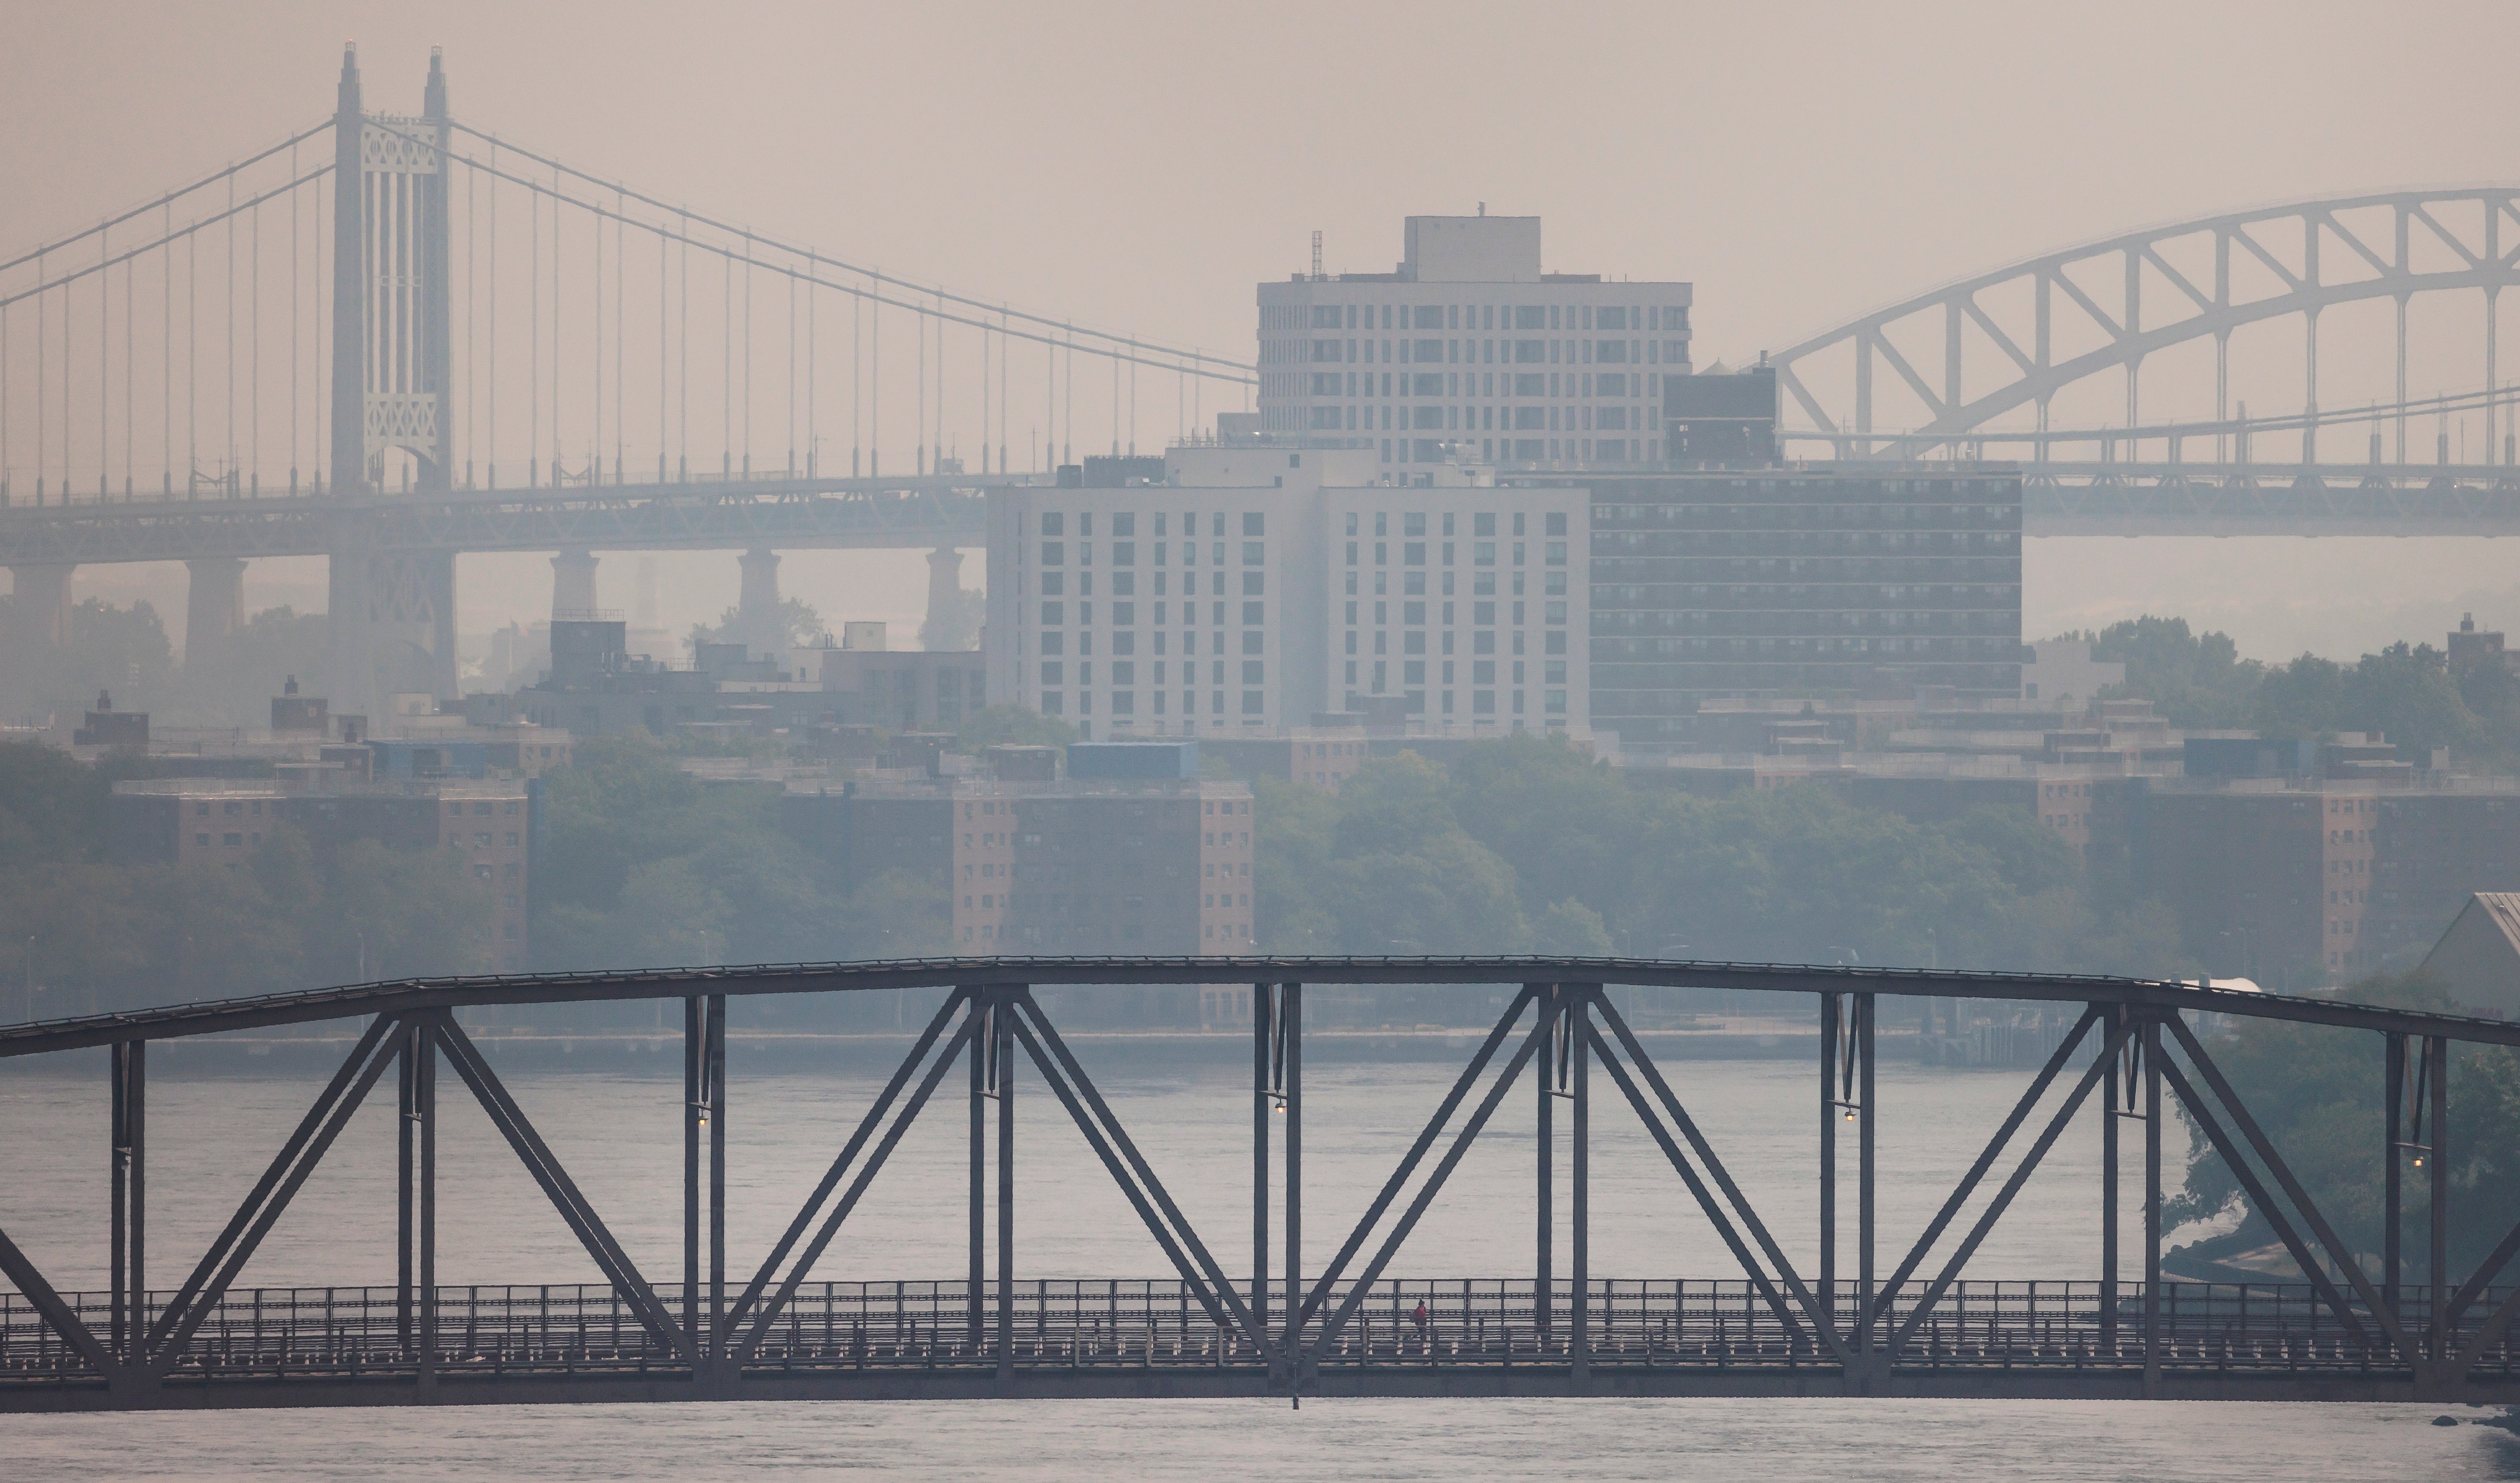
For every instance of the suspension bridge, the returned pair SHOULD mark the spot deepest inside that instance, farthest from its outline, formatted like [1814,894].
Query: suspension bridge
[1910,1315]
[387,339]
[324,351]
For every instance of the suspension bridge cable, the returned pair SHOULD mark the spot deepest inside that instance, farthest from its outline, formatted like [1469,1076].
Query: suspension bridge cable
[683,365]
[130,374]
[227,400]
[166,365]
[192,362]
[875,391]
[813,385]
[168,200]
[595,457]
[490,400]
[294,291]
[857,308]
[792,376]
[556,308]
[915,307]
[620,288]
[534,351]
[167,240]
[726,366]
[664,348]
[105,371]
[872,274]
[747,356]
[253,357]
[43,320]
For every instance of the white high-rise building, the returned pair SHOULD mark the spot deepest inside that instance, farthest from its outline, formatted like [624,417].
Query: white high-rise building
[1262,583]
[1467,350]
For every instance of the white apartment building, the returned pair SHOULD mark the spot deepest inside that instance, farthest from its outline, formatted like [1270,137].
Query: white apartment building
[1468,350]
[1262,584]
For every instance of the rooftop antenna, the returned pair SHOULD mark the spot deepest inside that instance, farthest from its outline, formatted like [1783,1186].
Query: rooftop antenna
[1317,256]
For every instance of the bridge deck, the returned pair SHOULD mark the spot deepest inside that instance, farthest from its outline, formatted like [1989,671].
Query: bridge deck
[1079,1337]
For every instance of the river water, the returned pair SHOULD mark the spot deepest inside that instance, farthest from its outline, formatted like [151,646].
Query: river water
[618,1134]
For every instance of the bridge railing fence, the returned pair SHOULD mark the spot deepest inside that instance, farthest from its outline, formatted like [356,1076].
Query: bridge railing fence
[1078,1322]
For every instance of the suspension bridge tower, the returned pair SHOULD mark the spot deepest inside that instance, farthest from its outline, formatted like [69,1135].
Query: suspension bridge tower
[392,625]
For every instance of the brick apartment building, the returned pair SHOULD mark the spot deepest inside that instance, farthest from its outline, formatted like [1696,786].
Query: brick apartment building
[487,824]
[1135,857]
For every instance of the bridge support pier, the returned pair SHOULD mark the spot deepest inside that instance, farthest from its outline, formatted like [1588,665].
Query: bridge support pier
[757,618]
[944,590]
[573,584]
[391,627]
[213,605]
[44,594]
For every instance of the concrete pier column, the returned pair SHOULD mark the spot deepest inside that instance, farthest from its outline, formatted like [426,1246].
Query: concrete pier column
[437,577]
[44,592]
[573,584]
[944,594]
[757,618]
[213,605]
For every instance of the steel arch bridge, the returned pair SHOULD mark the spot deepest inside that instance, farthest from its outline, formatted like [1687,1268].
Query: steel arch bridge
[2353,1329]
[1983,348]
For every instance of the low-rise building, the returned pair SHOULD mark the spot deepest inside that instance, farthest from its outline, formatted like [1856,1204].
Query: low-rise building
[1119,861]
[489,824]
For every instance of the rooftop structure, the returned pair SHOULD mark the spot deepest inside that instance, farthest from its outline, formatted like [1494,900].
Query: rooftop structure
[1468,350]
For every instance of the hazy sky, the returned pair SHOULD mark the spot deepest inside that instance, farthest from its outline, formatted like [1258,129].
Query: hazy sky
[1141,165]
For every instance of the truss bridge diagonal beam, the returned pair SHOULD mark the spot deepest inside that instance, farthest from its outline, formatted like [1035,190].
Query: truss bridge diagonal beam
[2337,1250]
[1995,1147]
[2002,1201]
[557,1186]
[777,1303]
[840,1165]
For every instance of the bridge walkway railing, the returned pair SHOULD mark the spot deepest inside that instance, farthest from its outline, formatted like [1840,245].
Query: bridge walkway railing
[279,1332]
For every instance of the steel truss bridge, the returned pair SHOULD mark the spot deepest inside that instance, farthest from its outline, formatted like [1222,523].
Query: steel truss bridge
[1897,1320]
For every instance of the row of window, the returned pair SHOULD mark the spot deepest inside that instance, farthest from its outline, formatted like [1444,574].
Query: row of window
[1124,703]
[1482,553]
[1475,352]
[1432,417]
[1475,317]
[1528,386]
[1414,523]
[1125,552]
[1125,672]
[1482,702]
[1124,523]
[1780,516]
[1124,584]
[1482,641]
[1125,615]
[1608,651]
[1867,594]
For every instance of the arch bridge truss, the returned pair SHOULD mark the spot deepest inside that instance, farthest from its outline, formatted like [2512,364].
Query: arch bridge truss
[1907,1317]
[1975,354]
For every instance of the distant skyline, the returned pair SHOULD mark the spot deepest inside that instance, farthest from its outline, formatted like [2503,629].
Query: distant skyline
[1140,166]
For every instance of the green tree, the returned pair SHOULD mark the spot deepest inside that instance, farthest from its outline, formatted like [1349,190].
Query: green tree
[798,623]
[2197,679]
[958,627]
[2317,1093]
[1009,726]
